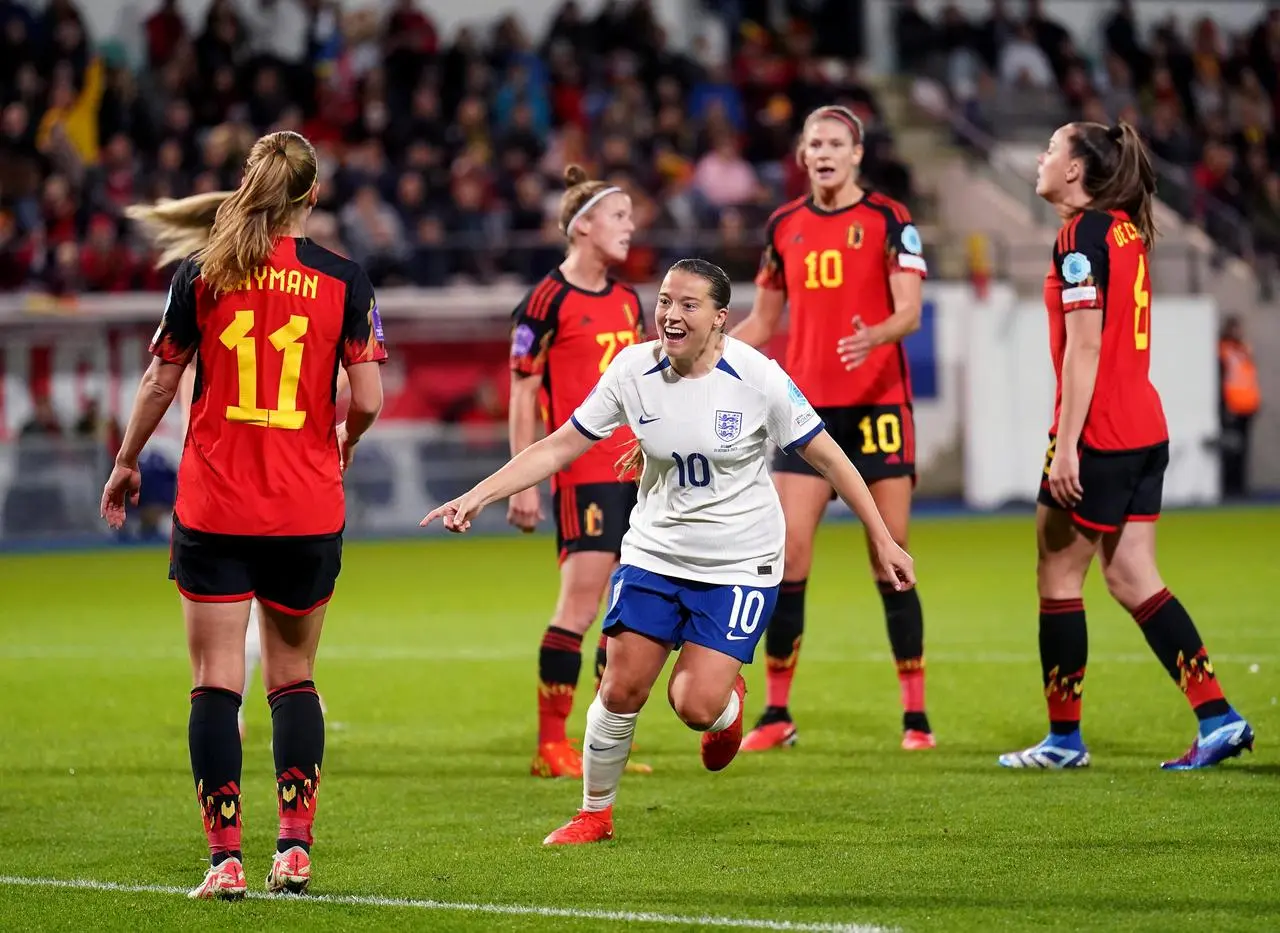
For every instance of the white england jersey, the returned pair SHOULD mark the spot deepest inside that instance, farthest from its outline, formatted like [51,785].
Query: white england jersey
[707,509]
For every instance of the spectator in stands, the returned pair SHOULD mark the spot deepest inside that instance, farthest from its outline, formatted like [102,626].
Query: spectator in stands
[434,145]
[1023,63]
[166,30]
[374,234]
[723,178]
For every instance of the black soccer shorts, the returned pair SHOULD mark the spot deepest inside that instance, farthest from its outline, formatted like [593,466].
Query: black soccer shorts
[879,439]
[293,575]
[1119,486]
[593,516]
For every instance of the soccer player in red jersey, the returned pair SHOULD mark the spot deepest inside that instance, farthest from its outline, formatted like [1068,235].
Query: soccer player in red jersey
[565,333]
[269,317]
[848,262]
[1108,446]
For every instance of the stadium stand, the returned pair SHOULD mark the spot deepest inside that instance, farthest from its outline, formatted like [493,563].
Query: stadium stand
[1207,100]
[435,147]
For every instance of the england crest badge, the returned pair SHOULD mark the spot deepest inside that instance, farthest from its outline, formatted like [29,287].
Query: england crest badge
[728,425]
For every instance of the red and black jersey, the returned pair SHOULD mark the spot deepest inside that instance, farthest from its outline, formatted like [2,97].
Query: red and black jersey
[1099,261]
[835,265]
[261,454]
[568,336]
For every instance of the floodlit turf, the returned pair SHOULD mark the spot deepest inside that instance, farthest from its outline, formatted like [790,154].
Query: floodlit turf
[429,680]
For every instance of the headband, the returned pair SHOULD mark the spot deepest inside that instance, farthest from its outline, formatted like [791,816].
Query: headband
[591,202]
[848,119]
[305,194]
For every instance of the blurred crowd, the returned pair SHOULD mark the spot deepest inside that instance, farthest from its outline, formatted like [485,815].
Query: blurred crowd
[433,148]
[1206,101]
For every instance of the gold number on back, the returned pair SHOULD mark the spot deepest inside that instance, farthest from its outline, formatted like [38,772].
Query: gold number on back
[1141,307]
[236,337]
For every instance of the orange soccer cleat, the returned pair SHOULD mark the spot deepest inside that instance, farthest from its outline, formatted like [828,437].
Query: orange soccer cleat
[224,882]
[557,760]
[587,826]
[781,733]
[720,748]
[914,740]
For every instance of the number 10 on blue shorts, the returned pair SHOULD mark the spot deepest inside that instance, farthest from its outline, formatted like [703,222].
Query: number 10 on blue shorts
[727,618]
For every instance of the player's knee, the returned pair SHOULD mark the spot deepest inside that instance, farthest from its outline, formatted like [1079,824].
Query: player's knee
[277,672]
[577,609]
[696,708]
[696,711]
[797,558]
[1131,584]
[225,673]
[619,694]
[1058,577]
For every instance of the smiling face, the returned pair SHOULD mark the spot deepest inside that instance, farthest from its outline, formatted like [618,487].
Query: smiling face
[830,154]
[1058,168]
[608,227]
[688,320]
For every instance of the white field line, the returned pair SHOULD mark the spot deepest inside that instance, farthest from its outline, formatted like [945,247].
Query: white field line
[510,910]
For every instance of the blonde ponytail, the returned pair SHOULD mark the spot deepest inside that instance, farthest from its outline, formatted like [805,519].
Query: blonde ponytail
[279,175]
[233,232]
[178,227]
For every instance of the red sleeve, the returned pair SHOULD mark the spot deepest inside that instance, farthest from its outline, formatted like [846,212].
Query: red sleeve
[178,336]
[533,327]
[363,340]
[1081,262]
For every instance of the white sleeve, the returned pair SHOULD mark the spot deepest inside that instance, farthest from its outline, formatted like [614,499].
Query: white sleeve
[791,420]
[601,413]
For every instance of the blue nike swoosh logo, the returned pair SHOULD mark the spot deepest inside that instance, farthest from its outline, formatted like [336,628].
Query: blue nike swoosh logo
[605,749]
[644,420]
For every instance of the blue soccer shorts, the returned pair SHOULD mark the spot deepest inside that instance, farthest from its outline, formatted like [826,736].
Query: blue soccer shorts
[723,617]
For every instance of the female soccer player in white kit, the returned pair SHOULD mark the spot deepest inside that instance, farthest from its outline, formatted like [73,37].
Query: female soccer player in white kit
[702,561]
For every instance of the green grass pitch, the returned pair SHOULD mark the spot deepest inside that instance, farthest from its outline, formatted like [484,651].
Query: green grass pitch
[428,669]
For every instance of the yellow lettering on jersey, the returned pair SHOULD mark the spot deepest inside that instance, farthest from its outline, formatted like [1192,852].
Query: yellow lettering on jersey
[289,281]
[1125,233]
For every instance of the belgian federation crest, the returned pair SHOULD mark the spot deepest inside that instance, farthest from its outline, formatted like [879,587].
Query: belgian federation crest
[728,425]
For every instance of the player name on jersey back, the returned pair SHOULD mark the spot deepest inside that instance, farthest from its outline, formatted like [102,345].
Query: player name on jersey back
[707,509]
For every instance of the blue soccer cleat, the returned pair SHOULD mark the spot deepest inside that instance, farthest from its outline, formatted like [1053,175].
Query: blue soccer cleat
[1054,753]
[1226,741]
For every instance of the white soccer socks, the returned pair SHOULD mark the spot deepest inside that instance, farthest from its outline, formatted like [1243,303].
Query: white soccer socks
[607,746]
[729,716]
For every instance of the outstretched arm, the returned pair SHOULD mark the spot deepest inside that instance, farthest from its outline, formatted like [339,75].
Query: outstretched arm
[527,468]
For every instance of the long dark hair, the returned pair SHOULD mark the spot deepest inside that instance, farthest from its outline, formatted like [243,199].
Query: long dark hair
[1118,174]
